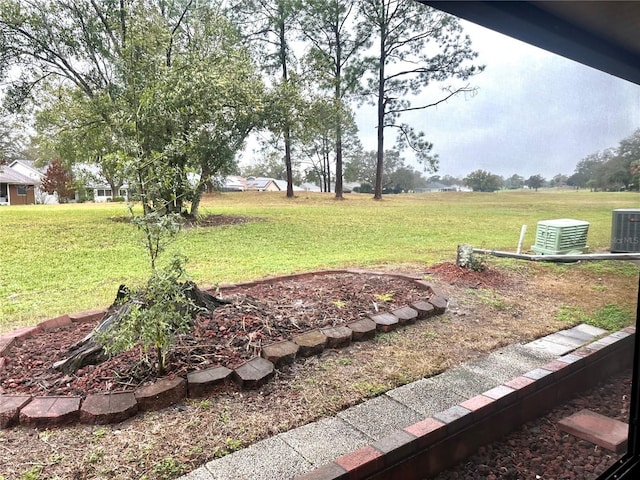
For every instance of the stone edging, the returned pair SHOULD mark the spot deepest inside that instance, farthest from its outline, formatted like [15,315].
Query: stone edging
[437,443]
[103,408]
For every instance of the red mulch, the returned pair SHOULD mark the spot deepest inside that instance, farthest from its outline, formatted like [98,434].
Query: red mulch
[232,334]
[464,277]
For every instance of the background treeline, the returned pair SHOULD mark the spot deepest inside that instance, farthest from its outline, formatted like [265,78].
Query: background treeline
[612,170]
[163,95]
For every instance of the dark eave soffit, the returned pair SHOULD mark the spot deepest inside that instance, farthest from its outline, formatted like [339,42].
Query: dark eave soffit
[603,35]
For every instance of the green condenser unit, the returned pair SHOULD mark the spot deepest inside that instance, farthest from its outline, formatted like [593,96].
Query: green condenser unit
[625,230]
[561,236]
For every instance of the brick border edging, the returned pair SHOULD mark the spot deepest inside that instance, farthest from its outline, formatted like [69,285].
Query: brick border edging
[112,407]
[437,443]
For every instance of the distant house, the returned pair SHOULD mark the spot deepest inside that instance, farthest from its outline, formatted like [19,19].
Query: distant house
[16,188]
[233,183]
[262,184]
[435,187]
[348,187]
[29,169]
[439,187]
[310,187]
[97,185]
[265,184]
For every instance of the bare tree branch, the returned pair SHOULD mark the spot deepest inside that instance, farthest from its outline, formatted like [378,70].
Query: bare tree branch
[467,88]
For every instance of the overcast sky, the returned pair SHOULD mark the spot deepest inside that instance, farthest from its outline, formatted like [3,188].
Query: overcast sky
[534,113]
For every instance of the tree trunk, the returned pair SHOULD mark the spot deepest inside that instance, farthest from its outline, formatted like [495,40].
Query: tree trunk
[377,193]
[115,188]
[287,161]
[89,351]
[202,185]
[287,127]
[338,100]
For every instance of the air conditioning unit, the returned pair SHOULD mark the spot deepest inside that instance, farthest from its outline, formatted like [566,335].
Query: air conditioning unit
[561,236]
[625,230]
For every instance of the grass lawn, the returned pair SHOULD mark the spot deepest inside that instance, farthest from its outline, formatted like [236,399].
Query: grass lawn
[58,259]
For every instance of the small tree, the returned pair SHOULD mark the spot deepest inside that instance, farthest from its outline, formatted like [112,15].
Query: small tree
[58,180]
[535,182]
[514,182]
[559,180]
[162,308]
[483,181]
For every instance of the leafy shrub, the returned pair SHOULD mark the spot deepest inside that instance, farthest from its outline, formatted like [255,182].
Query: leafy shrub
[159,311]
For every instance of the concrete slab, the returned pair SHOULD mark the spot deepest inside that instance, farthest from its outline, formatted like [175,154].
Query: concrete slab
[269,459]
[465,382]
[509,362]
[456,414]
[303,449]
[584,335]
[603,431]
[380,416]
[588,329]
[325,440]
[552,348]
[563,338]
[426,396]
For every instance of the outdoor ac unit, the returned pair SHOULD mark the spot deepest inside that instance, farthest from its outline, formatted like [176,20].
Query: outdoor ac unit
[625,230]
[561,236]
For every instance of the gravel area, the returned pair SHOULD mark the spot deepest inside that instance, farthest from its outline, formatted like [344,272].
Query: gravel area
[539,450]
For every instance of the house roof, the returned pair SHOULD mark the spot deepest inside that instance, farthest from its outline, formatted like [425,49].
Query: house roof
[28,164]
[10,176]
[260,183]
[282,185]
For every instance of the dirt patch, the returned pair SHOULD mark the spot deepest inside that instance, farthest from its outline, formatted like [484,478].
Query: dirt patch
[487,278]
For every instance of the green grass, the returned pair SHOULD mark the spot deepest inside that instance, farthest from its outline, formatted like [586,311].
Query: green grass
[610,317]
[60,259]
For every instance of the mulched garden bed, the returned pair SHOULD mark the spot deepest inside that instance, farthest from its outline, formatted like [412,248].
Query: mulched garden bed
[258,315]
[540,450]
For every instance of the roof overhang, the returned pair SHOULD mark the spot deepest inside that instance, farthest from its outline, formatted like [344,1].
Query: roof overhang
[603,35]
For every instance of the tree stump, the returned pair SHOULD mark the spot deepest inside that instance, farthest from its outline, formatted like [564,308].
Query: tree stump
[89,351]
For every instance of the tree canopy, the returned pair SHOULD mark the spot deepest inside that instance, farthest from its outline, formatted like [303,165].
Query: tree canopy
[338,38]
[416,46]
[535,182]
[483,181]
[163,93]
[612,168]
